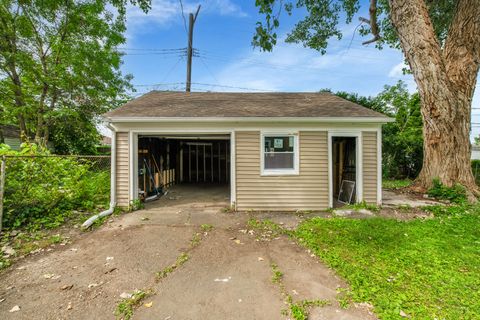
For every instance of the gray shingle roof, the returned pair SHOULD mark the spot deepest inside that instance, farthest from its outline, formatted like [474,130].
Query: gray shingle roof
[230,104]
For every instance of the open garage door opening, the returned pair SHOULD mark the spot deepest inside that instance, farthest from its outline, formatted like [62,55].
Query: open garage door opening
[194,166]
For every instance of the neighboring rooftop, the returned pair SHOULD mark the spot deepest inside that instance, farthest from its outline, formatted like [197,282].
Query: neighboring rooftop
[161,104]
[10,131]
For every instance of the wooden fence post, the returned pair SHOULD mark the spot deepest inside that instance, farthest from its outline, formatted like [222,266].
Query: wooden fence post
[2,187]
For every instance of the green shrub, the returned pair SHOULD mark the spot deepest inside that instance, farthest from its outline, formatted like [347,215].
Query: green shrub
[455,194]
[476,170]
[41,191]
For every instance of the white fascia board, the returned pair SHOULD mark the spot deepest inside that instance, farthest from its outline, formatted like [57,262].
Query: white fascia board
[252,119]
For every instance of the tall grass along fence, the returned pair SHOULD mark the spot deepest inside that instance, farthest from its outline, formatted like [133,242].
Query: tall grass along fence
[43,190]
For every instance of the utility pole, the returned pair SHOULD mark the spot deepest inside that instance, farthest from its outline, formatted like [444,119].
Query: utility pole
[191,23]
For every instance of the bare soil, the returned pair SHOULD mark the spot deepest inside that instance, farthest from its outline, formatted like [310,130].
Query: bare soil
[228,274]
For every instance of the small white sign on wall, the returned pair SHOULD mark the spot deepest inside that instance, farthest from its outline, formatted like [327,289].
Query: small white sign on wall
[278,143]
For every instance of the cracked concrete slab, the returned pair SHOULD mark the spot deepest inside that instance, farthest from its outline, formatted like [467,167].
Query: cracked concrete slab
[395,199]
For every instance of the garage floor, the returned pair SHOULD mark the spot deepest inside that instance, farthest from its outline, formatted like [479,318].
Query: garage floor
[228,274]
[194,194]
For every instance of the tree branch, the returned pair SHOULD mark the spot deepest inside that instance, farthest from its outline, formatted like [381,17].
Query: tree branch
[372,22]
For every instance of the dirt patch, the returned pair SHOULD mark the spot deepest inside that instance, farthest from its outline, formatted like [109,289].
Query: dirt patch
[90,274]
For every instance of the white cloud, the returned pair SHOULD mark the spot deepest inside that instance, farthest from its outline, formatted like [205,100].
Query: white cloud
[164,12]
[290,67]
[224,7]
[397,70]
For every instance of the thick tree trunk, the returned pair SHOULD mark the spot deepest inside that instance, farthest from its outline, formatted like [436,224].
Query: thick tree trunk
[446,80]
[446,144]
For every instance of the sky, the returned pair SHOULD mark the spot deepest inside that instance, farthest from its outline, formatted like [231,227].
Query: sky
[226,60]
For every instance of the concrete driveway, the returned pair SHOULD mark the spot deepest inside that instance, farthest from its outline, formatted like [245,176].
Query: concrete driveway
[228,274]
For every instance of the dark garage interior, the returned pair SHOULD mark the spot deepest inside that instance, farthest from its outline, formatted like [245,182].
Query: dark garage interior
[168,160]
[344,170]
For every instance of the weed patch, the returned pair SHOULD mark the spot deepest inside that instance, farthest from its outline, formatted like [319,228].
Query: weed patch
[297,310]
[126,306]
[45,192]
[456,194]
[300,310]
[277,275]
[206,227]
[135,205]
[181,259]
[265,229]
[26,242]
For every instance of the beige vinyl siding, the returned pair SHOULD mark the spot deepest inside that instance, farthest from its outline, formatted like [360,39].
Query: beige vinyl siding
[306,191]
[370,166]
[123,176]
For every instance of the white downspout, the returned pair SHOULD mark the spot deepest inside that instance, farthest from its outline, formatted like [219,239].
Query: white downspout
[113,173]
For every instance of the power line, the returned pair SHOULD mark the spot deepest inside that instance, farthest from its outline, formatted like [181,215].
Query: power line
[202,85]
[208,69]
[171,69]
[229,87]
[152,49]
[158,84]
[183,16]
[351,40]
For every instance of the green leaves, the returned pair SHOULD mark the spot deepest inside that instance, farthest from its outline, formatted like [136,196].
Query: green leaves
[42,191]
[61,57]
[321,19]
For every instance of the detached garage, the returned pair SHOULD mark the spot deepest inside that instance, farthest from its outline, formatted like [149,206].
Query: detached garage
[268,151]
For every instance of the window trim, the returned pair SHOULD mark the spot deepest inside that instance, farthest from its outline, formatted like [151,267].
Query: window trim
[296,154]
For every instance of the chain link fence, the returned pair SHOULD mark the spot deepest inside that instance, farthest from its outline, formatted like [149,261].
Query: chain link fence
[47,189]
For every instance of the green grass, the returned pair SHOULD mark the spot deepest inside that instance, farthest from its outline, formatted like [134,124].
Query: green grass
[300,310]
[277,275]
[126,306]
[426,268]
[396,184]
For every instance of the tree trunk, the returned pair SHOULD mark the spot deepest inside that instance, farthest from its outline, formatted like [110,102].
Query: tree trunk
[39,134]
[446,154]
[446,80]
[19,100]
